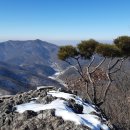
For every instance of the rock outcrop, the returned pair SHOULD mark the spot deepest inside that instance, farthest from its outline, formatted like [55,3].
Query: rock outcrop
[10,119]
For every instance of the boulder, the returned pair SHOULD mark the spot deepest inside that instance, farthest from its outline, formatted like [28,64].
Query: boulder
[77,108]
[28,114]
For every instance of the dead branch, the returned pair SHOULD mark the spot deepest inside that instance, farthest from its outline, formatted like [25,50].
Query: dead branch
[100,63]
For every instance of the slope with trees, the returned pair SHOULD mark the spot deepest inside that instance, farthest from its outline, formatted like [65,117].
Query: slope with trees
[116,53]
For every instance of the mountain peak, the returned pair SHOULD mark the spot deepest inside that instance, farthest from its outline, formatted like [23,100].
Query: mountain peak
[38,40]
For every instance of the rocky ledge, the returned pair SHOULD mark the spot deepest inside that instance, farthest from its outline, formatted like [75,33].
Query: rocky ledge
[49,109]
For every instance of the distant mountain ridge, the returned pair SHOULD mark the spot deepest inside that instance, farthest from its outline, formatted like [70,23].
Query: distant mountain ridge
[27,64]
[27,52]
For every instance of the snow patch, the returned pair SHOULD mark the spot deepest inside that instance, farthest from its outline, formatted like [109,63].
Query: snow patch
[87,108]
[55,77]
[57,74]
[63,110]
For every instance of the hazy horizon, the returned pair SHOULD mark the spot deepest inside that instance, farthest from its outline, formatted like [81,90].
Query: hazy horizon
[62,42]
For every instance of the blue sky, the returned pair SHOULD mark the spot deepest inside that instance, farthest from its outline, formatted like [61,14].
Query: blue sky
[64,19]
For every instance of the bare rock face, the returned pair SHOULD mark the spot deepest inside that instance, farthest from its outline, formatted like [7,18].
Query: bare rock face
[46,120]
[28,114]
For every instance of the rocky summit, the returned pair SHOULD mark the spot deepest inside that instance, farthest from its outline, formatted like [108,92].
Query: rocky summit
[50,109]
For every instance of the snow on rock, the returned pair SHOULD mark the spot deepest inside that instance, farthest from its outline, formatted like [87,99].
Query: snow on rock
[67,96]
[63,110]
[44,87]
[5,96]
